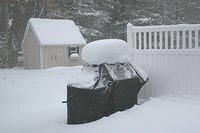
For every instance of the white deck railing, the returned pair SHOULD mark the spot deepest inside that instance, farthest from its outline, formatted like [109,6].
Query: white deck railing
[171,57]
[183,36]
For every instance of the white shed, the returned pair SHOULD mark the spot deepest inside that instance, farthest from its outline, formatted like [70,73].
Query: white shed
[51,42]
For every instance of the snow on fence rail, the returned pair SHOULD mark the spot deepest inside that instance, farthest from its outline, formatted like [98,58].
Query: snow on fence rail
[171,56]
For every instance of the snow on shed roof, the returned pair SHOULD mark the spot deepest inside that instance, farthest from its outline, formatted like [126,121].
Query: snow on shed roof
[56,31]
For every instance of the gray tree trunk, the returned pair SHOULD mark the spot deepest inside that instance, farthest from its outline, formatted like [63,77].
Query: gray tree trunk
[4,16]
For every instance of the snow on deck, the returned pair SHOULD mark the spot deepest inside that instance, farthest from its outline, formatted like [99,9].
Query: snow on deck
[56,31]
[30,102]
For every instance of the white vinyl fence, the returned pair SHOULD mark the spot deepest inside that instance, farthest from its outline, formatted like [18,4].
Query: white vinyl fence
[171,57]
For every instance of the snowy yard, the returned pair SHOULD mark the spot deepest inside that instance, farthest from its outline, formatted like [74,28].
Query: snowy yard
[31,102]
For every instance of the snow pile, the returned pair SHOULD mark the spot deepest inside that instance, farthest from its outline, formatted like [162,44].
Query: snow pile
[74,55]
[109,51]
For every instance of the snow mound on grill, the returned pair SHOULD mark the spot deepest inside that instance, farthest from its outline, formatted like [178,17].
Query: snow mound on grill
[109,51]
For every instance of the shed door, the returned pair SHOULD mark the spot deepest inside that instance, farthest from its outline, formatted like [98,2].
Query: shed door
[51,57]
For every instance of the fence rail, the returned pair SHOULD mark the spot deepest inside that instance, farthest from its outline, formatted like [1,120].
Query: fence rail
[170,55]
[183,36]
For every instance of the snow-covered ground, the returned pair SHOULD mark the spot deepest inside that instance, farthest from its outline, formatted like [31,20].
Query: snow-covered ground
[30,102]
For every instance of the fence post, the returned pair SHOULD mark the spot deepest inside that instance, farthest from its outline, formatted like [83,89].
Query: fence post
[130,36]
[130,39]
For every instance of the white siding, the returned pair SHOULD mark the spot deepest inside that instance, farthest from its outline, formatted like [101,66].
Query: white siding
[31,52]
[58,56]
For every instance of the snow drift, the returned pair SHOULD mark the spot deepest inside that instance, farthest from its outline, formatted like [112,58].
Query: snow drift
[31,103]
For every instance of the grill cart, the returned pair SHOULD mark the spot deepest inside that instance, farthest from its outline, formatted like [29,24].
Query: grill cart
[100,90]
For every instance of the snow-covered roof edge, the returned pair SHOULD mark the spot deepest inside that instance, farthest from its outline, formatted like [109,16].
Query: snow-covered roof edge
[28,27]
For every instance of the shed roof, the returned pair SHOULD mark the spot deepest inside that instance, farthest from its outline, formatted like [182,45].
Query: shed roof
[56,32]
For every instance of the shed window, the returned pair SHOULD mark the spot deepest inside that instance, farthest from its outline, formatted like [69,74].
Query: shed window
[72,50]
